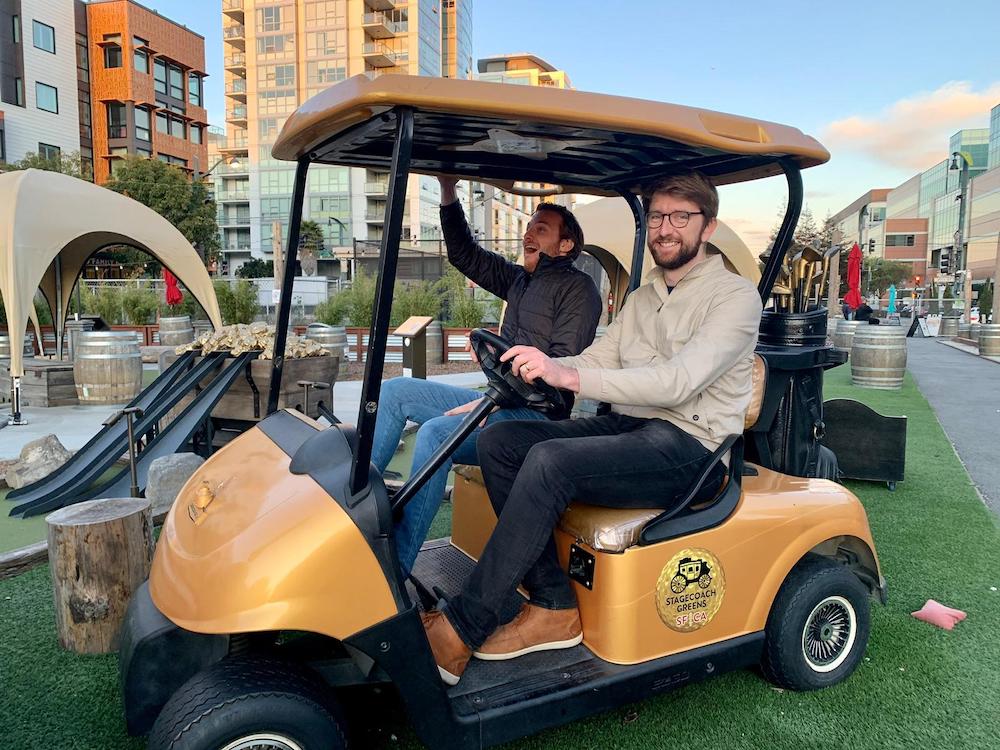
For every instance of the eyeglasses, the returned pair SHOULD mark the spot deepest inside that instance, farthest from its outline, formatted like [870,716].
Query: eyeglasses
[678,219]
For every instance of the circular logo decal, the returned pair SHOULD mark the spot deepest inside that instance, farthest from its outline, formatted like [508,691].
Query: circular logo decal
[690,589]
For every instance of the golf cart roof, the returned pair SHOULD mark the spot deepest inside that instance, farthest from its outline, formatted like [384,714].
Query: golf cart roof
[501,133]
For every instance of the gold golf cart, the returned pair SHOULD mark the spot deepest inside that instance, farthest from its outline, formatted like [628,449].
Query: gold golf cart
[275,583]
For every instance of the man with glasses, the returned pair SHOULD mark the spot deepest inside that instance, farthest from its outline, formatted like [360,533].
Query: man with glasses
[675,365]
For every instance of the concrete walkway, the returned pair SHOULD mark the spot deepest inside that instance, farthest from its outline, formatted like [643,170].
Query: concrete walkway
[963,389]
[75,425]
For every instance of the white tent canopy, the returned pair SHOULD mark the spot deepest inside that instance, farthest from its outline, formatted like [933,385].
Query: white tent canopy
[50,224]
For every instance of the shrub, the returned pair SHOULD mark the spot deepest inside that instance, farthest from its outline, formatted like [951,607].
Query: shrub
[139,305]
[237,303]
[105,301]
[417,298]
[351,306]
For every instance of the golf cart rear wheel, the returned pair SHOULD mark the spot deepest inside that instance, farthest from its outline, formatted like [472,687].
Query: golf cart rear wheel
[250,704]
[818,627]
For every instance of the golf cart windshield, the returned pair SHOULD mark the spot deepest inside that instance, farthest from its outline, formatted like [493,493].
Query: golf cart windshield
[502,134]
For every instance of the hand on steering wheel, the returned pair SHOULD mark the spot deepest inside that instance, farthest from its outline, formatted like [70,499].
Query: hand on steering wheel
[536,395]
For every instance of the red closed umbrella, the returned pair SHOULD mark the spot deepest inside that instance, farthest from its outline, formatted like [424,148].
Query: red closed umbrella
[174,295]
[853,297]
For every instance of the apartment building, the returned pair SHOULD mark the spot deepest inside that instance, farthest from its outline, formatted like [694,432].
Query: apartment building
[146,88]
[279,53]
[39,96]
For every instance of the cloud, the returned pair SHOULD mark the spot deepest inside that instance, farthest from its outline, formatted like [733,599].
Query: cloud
[913,133]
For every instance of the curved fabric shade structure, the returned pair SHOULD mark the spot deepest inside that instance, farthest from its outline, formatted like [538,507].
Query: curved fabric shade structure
[609,231]
[51,222]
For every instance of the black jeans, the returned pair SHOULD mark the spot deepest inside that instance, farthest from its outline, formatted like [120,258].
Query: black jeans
[533,470]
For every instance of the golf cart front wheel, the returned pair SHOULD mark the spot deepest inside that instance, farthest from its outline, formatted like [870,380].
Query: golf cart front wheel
[248,704]
[818,627]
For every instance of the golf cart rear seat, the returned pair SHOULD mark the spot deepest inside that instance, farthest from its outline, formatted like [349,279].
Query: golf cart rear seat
[616,529]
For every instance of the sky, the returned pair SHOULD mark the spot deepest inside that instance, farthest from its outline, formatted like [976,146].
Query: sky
[882,85]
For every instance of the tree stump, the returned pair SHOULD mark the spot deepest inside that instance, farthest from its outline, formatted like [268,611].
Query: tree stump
[100,551]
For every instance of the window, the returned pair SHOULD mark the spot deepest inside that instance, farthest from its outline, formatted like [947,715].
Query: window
[162,123]
[87,162]
[276,76]
[176,82]
[900,240]
[194,89]
[160,76]
[3,150]
[49,153]
[82,59]
[19,92]
[117,125]
[196,134]
[46,97]
[175,160]
[269,19]
[112,56]
[43,36]
[142,124]
[85,123]
[15,30]
[325,72]
[140,56]
[145,153]
[176,127]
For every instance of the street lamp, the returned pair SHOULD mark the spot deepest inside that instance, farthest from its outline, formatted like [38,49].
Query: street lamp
[961,161]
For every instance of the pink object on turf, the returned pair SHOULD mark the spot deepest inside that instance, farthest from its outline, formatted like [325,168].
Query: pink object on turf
[937,614]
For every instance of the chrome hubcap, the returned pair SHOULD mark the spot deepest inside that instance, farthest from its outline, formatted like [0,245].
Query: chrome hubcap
[263,741]
[829,634]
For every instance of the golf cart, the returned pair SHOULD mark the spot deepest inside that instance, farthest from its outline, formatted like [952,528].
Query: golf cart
[275,586]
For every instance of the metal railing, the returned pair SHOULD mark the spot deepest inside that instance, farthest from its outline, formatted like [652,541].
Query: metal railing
[396,26]
[237,87]
[236,61]
[232,4]
[234,32]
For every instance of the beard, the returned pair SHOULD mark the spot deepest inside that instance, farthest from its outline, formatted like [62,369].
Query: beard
[685,253]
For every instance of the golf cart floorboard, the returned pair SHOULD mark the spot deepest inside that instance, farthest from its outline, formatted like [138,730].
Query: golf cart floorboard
[496,685]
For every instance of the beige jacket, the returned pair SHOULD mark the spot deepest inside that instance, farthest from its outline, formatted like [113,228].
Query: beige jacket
[684,356]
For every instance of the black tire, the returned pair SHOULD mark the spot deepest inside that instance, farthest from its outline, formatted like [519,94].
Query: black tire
[241,698]
[833,603]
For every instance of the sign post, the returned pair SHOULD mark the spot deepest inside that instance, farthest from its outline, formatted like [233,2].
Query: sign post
[413,330]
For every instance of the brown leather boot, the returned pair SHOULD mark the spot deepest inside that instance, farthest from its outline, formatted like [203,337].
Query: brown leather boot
[534,629]
[450,651]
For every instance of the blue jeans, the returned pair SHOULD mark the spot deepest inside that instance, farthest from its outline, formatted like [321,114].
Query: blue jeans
[424,402]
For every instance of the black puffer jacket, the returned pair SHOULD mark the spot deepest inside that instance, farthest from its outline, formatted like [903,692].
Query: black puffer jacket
[556,308]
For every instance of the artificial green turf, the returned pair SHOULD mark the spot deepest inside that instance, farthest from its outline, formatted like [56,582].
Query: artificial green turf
[918,687]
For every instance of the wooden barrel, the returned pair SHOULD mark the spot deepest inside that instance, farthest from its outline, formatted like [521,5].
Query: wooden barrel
[202,326]
[949,327]
[176,331]
[844,333]
[71,335]
[108,367]
[878,357]
[989,340]
[27,349]
[964,330]
[435,349]
[331,338]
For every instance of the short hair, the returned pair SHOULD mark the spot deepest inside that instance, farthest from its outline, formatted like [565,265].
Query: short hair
[571,229]
[689,185]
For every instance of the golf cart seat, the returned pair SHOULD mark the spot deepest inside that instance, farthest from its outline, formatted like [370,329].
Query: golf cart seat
[617,529]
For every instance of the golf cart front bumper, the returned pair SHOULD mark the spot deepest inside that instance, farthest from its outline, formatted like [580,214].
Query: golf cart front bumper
[155,658]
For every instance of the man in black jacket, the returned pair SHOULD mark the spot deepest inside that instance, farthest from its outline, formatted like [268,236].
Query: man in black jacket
[550,305]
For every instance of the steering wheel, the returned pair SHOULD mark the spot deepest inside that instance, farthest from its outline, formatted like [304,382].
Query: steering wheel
[537,395]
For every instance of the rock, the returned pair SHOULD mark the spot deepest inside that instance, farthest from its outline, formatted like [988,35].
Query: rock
[38,459]
[5,463]
[166,477]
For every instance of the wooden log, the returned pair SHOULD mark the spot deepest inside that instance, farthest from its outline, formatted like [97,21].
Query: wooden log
[100,551]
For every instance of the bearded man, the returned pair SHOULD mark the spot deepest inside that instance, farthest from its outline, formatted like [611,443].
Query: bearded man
[676,367]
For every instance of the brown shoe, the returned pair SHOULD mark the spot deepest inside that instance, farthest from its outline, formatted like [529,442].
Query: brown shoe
[534,629]
[450,652]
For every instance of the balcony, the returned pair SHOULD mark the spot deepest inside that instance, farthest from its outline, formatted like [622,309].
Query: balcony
[381,4]
[383,26]
[233,221]
[377,188]
[235,35]
[236,248]
[233,9]
[379,55]
[375,217]
[237,116]
[236,63]
[237,89]
[235,146]
[240,196]
[241,167]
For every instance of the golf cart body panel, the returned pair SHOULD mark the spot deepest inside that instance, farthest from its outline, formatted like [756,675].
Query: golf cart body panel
[778,520]
[588,143]
[271,551]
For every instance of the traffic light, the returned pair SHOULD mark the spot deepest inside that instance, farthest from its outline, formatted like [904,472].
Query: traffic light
[944,264]
[871,246]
